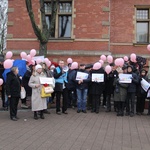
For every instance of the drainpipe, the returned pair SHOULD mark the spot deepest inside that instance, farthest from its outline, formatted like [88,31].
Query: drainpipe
[109,24]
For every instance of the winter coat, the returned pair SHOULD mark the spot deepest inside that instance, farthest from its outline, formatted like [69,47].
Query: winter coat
[25,81]
[109,84]
[96,88]
[85,83]
[38,103]
[13,85]
[120,91]
[71,79]
[133,84]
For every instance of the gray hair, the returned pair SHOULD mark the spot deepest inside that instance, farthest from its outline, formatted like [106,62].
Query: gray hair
[13,69]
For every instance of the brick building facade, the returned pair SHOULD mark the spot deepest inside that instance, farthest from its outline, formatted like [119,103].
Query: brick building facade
[116,27]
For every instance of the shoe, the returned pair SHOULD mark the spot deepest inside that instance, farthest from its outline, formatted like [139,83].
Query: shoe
[65,112]
[108,110]
[17,117]
[148,114]
[131,115]
[14,118]
[58,113]
[35,116]
[78,111]
[84,111]
[118,114]
[42,117]
[138,113]
[46,111]
[97,111]
[24,106]
[127,114]
[92,110]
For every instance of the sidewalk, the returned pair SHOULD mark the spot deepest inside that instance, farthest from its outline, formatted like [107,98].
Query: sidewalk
[103,131]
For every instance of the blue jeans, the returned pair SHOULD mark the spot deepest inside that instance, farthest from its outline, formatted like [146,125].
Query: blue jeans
[82,98]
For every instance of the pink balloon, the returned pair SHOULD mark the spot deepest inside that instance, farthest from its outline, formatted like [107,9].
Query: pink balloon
[148,47]
[74,65]
[1,81]
[46,60]
[117,62]
[32,62]
[108,69]
[48,63]
[102,62]
[69,60]
[125,58]
[121,62]
[9,55]
[23,55]
[103,57]
[109,59]
[8,63]
[29,58]
[133,57]
[33,52]
[39,60]
[97,66]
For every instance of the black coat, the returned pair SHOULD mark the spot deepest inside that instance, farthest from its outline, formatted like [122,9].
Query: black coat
[109,84]
[133,85]
[13,86]
[97,88]
[25,81]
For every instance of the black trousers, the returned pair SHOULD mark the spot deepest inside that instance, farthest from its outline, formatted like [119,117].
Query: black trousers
[64,93]
[72,98]
[95,102]
[108,102]
[130,102]
[3,96]
[13,101]
[120,107]
[140,103]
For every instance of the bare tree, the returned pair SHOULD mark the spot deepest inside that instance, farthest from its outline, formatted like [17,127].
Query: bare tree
[3,24]
[45,32]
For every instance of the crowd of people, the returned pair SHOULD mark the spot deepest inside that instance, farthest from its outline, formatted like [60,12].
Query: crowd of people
[76,87]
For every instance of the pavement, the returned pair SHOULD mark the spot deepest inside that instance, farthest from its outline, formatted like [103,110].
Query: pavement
[74,131]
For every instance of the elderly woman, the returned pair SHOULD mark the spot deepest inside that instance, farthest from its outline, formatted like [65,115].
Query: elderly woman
[38,103]
[13,89]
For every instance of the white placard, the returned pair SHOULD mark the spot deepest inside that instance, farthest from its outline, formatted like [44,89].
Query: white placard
[97,77]
[145,85]
[46,80]
[81,76]
[38,57]
[125,78]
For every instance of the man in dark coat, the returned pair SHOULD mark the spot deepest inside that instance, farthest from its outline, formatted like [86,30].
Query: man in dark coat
[13,88]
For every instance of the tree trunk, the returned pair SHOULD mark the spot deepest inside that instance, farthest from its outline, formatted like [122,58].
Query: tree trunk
[43,49]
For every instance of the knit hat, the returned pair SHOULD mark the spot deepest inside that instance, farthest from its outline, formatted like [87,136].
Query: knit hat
[38,67]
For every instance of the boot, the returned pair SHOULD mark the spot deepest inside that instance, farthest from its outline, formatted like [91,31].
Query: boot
[35,115]
[42,115]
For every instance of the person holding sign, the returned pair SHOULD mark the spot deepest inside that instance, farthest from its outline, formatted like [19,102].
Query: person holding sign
[131,92]
[61,81]
[97,84]
[82,80]
[141,93]
[38,103]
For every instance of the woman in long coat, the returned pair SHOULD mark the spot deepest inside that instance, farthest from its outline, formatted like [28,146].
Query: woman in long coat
[38,103]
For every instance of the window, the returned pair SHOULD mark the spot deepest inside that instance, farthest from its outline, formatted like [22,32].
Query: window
[63,22]
[142,25]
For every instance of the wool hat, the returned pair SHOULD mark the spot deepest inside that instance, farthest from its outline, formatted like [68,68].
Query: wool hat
[38,67]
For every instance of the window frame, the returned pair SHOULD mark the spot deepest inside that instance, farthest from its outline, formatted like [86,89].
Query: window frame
[56,37]
[143,21]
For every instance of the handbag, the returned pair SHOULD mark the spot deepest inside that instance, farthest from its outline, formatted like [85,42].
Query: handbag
[48,89]
[22,93]
[43,94]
